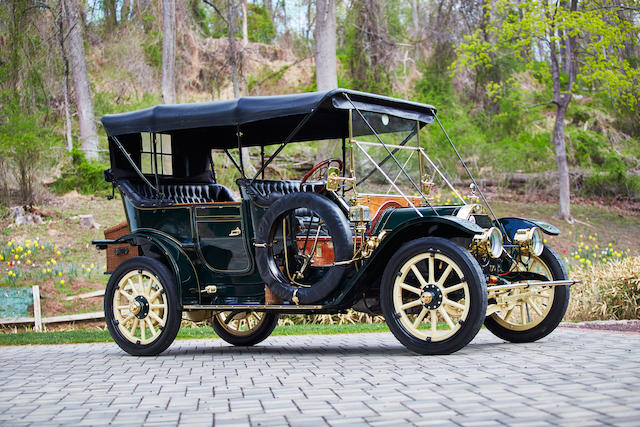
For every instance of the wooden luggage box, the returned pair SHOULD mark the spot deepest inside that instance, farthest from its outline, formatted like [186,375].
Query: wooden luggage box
[116,254]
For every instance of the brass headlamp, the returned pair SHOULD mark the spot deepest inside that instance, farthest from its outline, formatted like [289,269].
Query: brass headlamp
[530,240]
[489,242]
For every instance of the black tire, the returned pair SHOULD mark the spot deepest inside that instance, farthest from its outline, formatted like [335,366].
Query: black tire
[162,283]
[338,229]
[259,333]
[434,297]
[552,317]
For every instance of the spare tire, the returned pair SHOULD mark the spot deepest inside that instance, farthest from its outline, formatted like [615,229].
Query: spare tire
[337,227]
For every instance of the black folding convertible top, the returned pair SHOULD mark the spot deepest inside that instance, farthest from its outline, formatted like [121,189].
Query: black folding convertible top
[263,120]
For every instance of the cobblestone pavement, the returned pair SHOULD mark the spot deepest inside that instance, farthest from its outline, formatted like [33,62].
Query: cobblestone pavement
[570,378]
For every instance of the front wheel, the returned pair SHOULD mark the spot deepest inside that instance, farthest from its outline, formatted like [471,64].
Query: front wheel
[244,328]
[532,313]
[433,296]
[141,306]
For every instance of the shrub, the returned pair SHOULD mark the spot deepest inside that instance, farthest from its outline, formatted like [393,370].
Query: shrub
[609,291]
[84,176]
[616,182]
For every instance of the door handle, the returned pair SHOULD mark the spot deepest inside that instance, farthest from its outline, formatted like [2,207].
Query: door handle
[235,232]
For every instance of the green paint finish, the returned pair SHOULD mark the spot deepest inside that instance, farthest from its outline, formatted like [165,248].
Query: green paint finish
[226,209]
[396,217]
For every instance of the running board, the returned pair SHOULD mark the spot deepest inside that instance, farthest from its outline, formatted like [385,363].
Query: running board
[254,307]
[538,283]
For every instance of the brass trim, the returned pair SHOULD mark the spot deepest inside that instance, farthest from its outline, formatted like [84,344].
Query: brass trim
[251,307]
[569,282]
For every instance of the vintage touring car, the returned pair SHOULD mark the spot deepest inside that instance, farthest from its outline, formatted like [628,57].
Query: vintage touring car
[379,228]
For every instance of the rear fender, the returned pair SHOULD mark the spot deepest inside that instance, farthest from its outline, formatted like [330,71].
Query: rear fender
[169,251]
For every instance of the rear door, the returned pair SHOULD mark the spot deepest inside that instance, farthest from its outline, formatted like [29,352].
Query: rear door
[222,242]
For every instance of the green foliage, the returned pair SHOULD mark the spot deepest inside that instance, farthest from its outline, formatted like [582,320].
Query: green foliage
[27,145]
[152,48]
[260,26]
[616,182]
[84,176]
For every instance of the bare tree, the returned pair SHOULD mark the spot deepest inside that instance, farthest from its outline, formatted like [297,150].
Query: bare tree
[84,103]
[65,61]
[233,54]
[325,38]
[169,51]
[245,30]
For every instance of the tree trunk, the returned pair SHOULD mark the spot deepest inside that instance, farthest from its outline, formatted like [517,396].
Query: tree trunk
[86,119]
[564,199]
[325,38]
[231,17]
[65,61]
[245,30]
[415,18]
[124,10]
[269,7]
[110,15]
[169,51]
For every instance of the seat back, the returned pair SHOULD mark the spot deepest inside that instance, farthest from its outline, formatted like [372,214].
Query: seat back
[142,194]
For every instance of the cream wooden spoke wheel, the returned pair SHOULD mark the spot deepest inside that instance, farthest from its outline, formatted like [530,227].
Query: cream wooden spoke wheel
[141,306]
[433,296]
[240,323]
[528,314]
[244,328]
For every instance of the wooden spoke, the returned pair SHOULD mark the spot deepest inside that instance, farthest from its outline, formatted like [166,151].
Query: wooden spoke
[452,303]
[446,317]
[534,306]
[454,288]
[155,317]
[432,268]
[410,288]
[434,323]
[420,317]
[523,313]
[153,330]
[445,275]
[126,295]
[411,304]
[418,275]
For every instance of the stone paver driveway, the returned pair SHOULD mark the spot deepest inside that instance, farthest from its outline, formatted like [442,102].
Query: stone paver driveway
[570,378]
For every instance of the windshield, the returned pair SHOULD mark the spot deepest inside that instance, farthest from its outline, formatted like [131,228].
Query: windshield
[393,161]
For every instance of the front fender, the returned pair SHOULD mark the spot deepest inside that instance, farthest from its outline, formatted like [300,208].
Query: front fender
[155,243]
[511,225]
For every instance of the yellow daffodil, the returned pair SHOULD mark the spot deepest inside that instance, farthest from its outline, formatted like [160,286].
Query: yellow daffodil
[44,271]
[42,247]
[16,257]
[53,261]
[29,261]
[93,265]
[48,270]
[59,273]
[1,257]
[47,263]
[62,282]
[58,253]
[88,270]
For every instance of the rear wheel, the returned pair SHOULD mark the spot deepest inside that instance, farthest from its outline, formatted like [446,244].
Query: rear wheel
[433,296]
[244,328]
[141,306]
[532,313]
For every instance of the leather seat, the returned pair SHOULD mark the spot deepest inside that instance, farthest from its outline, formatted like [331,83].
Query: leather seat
[142,194]
[265,192]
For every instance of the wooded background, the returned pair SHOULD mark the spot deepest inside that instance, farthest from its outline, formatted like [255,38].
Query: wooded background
[531,88]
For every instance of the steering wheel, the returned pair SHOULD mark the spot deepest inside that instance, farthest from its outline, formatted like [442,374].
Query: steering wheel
[319,171]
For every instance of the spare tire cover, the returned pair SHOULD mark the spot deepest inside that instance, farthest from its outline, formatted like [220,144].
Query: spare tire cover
[337,227]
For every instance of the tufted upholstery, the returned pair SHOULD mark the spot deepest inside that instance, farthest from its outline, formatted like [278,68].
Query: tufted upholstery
[177,193]
[266,192]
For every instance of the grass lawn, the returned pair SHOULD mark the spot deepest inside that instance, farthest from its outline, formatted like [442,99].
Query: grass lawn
[98,335]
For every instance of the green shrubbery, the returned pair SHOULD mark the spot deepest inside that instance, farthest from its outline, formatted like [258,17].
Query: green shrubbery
[83,176]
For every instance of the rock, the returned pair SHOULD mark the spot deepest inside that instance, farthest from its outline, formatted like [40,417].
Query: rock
[88,221]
